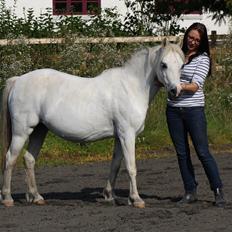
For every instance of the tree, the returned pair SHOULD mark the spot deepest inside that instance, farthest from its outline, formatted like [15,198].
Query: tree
[146,17]
[219,8]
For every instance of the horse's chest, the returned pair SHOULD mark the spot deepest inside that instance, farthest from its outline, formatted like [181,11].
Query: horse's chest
[132,116]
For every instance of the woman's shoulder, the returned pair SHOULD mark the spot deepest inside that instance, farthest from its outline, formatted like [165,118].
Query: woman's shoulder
[203,57]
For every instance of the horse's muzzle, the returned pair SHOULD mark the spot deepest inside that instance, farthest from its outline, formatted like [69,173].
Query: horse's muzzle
[172,93]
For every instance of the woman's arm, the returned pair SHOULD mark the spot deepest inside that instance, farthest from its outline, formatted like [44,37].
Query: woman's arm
[191,87]
[199,75]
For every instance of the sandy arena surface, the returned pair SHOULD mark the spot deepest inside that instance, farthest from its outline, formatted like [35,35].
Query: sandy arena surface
[75,202]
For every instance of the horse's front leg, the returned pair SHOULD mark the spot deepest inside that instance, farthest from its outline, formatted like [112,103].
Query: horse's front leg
[128,147]
[108,192]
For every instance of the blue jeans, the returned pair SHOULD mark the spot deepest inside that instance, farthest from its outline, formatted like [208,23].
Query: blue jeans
[184,121]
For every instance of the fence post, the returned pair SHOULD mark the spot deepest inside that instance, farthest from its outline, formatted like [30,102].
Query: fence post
[213,38]
[213,50]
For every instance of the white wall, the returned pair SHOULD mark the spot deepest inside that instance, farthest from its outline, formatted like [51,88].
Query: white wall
[39,6]
[223,28]
[121,8]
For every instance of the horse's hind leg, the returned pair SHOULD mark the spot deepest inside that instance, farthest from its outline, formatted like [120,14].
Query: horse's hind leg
[35,143]
[16,145]
[108,192]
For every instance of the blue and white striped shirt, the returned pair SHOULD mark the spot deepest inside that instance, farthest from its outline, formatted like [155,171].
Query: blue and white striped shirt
[195,71]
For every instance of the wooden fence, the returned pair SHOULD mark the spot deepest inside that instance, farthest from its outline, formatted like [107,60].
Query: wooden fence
[214,38]
[137,39]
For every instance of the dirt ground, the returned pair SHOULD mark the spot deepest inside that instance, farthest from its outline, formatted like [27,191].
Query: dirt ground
[75,203]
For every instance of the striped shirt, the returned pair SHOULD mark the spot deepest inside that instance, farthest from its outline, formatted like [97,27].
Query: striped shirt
[195,71]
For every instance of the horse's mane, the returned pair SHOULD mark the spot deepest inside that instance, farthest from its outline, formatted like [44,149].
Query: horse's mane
[139,57]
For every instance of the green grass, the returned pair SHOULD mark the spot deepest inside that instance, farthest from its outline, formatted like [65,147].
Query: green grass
[89,61]
[155,138]
[153,141]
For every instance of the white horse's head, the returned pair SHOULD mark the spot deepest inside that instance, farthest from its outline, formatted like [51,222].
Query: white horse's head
[168,63]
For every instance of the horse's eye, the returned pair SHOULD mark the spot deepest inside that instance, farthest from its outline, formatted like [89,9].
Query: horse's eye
[163,65]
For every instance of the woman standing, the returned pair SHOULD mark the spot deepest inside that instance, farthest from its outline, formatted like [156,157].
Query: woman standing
[185,116]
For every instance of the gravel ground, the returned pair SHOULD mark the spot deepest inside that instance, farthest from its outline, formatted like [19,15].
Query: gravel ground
[75,202]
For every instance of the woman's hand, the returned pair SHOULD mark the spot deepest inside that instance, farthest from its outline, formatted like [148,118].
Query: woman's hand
[178,89]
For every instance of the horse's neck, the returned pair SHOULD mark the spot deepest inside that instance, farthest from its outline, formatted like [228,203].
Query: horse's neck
[137,79]
[143,85]
[141,75]
[154,89]
[152,78]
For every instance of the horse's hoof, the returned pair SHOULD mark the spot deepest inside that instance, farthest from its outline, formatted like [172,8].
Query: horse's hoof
[40,202]
[108,195]
[8,203]
[140,205]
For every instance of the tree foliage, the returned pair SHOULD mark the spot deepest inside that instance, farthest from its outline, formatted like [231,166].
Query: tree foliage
[143,17]
[162,16]
[147,17]
[219,8]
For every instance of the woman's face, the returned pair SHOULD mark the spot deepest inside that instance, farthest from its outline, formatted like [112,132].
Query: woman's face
[193,40]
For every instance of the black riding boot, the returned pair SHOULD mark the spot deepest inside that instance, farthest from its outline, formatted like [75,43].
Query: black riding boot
[189,197]
[219,198]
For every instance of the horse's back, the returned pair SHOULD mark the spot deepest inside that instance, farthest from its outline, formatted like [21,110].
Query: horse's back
[45,83]
[72,107]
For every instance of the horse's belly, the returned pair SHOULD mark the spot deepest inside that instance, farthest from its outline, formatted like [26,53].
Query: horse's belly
[81,131]
[85,136]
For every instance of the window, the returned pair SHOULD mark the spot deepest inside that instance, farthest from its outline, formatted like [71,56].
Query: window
[76,7]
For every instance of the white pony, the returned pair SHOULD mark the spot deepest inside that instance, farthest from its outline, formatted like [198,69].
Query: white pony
[113,104]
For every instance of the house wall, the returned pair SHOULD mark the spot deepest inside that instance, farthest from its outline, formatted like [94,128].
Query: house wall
[39,6]
[223,28]
[121,8]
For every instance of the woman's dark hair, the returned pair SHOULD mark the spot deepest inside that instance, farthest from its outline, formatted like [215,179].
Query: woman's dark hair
[204,42]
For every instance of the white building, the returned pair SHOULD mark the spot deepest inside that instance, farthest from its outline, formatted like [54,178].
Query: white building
[83,7]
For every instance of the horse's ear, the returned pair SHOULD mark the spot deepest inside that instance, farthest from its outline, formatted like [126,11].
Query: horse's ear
[179,41]
[165,42]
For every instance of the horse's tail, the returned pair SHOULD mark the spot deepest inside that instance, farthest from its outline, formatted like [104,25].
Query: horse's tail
[6,132]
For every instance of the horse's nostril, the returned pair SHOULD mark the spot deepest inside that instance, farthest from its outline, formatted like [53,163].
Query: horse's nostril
[173,92]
